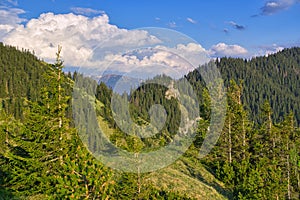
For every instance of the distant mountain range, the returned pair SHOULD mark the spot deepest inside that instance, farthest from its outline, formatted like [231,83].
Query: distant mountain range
[120,83]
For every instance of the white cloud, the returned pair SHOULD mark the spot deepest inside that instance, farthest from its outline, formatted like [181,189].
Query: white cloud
[193,53]
[9,2]
[191,20]
[237,26]
[94,42]
[78,35]
[180,59]
[191,47]
[11,15]
[172,24]
[86,11]
[222,49]
[6,27]
[272,7]
[269,49]
[275,50]
[9,18]
[13,2]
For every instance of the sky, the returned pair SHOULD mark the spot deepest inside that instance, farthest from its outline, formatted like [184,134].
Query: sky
[220,28]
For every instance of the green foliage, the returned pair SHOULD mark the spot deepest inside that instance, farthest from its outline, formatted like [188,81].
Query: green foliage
[83,177]
[257,155]
[256,162]
[43,156]
[20,78]
[273,78]
[140,102]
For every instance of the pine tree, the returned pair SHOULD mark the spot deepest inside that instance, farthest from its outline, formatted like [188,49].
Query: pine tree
[289,156]
[45,137]
[9,151]
[47,157]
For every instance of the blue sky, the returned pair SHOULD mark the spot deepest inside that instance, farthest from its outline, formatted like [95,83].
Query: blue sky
[226,28]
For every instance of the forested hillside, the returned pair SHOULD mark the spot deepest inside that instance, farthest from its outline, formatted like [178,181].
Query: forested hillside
[256,157]
[274,78]
[21,77]
[41,154]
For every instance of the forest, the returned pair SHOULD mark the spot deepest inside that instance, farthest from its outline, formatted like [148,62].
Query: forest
[257,155]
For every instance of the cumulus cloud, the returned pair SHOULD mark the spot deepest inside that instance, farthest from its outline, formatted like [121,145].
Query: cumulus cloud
[180,59]
[237,26]
[191,20]
[79,36]
[269,49]
[222,49]
[272,7]
[93,43]
[86,11]
[193,53]
[6,27]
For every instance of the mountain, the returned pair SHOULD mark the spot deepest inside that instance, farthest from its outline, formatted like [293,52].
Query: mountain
[258,147]
[42,156]
[123,83]
[21,76]
[274,78]
[256,156]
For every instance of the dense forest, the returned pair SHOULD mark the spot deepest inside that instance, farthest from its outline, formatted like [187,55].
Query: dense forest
[273,78]
[256,156]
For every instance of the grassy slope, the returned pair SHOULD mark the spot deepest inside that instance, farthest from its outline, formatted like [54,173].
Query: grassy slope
[196,182]
[187,175]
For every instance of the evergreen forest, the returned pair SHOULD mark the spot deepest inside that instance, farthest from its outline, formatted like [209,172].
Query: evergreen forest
[257,155]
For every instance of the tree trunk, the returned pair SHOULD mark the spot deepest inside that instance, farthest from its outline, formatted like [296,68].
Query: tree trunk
[136,155]
[288,171]
[244,139]
[270,129]
[229,141]
[6,88]
[59,98]
[6,135]
[139,181]
[59,63]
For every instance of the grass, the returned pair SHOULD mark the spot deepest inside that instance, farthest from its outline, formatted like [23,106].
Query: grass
[191,179]
[186,176]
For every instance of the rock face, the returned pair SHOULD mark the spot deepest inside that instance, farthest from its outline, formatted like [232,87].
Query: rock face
[171,92]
